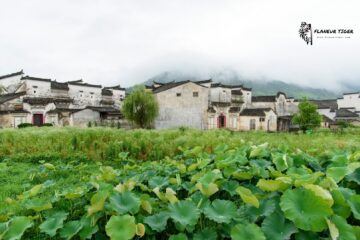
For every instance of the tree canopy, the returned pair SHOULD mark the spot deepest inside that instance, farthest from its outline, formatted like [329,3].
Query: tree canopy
[307,118]
[140,107]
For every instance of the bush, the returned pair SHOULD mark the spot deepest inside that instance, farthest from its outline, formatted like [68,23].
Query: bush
[47,125]
[24,125]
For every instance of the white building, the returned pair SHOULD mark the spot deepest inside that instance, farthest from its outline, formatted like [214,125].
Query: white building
[38,101]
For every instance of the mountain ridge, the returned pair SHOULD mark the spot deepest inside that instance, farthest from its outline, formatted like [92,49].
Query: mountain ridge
[259,87]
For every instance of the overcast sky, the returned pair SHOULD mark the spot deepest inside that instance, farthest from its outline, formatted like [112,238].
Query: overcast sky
[127,42]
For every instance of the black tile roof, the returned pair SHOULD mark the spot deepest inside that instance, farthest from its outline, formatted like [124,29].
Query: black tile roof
[81,83]
[60,110]
[213,85]
[10,96]
[234,109]
[259,112]
[103,109]
[170,85]
[36,79]
[106,92]
[38,100]
[325,104]
[13,111]
[211,110]
[327,119]
[345,113]
[350,93]
[12,74]
[204,81]
[263,98]
[117,87]
[236,92]
[59,85]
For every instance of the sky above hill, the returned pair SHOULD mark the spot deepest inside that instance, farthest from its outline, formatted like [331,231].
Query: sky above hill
[129,41]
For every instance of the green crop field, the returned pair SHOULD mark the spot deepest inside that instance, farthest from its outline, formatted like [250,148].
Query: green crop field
[102,183]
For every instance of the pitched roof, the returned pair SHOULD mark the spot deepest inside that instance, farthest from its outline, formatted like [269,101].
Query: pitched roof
[204,81]
[327,119]
[106,92]
[234,109]
[38,100]
[59,85]
[351,93]
[36,79]
[117,87]
[13,111]
[80,82]
[263,98]
[59,110]
[213,85]
[324,104]
[236,92]
[103,109]
[10,96]
[345,113]
[12,74]
[211,110]
[170,85]
[258,112]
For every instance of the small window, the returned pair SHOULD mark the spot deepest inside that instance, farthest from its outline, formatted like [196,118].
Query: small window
[81,91]
[35,86]
[262,119]
[34,91]
[195,94]
[91,92]
[178,94]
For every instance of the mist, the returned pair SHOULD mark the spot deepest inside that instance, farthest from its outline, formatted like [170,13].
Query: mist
[128,42]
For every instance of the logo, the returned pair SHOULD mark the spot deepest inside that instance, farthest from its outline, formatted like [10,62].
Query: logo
[305,32]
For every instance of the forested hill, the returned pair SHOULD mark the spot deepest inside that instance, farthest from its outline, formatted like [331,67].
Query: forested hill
[259,87]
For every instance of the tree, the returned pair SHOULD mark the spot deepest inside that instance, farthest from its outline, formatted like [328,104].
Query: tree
[141,107]
[307,118]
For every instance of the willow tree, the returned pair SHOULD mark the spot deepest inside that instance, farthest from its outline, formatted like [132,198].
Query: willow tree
[140,107]
[307,118]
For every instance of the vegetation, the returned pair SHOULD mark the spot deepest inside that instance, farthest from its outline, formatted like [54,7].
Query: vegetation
[178,184]
[307,118]
[140,107]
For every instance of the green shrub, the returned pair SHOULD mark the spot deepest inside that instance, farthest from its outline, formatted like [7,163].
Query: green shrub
[25,125]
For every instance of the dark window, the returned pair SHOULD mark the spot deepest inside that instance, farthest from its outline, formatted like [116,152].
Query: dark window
[35,86]
[81,91]
[34,91]
[262,119]
[178,94]
[38,119]
[195,94]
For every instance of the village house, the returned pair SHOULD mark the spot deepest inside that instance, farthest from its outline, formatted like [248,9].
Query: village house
[344,109]
[208,105]
[26,99]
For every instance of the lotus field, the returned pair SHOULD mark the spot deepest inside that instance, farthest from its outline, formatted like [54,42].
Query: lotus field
[178,184]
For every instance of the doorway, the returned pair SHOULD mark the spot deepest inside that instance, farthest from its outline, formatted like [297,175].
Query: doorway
[38,119]
[221,121]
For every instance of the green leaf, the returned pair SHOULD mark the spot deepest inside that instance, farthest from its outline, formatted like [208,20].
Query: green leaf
[276,227]
[354,203]
[126,202]
[17,227]
[307,210]
[206,234]
[340,205]
[121,227]
[220,211]
[184,212]
[180,236]
[346,231]
[53,223]
[37,204]
[337,173]
[158,181]
[247,196]
[247,232]
[89,226]
[272,185]
[230,186]
[97,202]
[70,229]
[158,221]
[280,161]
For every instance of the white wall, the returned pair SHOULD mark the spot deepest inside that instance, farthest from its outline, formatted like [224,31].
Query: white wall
[84,95]
[11,83]
[350,101]
[185,110]
[37,88]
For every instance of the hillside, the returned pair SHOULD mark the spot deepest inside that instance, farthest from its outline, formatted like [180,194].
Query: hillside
[269,87]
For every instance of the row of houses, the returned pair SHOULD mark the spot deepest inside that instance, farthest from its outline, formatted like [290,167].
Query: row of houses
[27,99]
[208,105]
[198,104]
